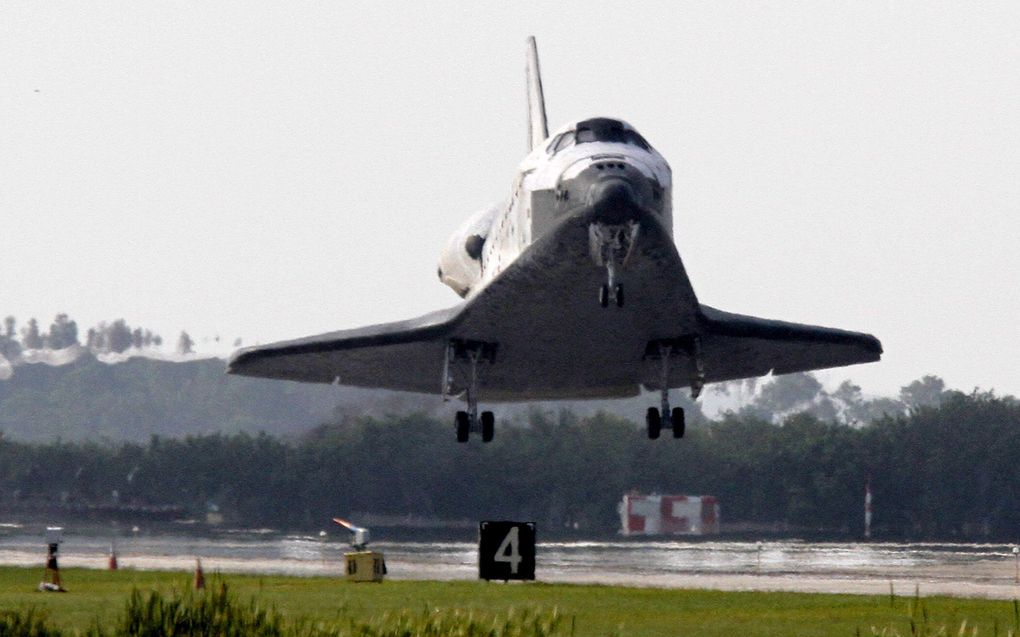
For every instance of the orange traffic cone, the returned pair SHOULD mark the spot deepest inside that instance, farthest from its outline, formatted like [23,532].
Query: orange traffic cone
[199,575]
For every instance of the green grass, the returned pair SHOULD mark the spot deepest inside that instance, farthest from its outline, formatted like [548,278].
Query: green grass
[100,597]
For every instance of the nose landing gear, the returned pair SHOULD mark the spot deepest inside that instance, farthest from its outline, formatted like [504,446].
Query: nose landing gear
[610,292]
[611,247]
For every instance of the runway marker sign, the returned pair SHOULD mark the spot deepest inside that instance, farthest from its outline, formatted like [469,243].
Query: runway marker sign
[506,550]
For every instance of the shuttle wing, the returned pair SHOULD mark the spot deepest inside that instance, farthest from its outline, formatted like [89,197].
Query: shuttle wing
[405,355]
[554,341]
[737,346]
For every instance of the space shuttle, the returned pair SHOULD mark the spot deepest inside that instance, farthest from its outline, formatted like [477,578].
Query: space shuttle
[573,288]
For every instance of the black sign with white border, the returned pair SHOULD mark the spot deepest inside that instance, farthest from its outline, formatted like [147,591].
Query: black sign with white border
[506,550]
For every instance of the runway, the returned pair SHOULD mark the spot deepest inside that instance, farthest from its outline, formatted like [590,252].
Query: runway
[965,570]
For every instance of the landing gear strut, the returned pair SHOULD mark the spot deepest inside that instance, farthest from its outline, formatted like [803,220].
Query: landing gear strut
[611,246]
[673,418]
[469,353]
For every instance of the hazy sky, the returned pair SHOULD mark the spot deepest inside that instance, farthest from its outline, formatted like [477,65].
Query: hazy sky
[271,172]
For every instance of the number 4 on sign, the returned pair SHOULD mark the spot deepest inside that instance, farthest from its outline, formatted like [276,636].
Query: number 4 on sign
[506,550]
[509,550]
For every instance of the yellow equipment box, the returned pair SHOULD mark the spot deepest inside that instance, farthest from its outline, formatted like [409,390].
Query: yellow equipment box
[365,566]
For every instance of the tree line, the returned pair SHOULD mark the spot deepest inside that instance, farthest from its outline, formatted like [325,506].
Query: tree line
[114,336]
[944,471]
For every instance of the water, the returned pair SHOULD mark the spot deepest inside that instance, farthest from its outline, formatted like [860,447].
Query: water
[985,570]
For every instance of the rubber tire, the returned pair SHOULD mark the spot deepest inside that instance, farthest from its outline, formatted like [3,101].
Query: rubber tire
[679,422]
[654,422]
[619,295]
[604,296]
[463,424]
[488,426]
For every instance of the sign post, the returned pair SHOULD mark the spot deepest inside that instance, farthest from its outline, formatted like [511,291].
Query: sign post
[506,550]
[867,509]
[1016,559]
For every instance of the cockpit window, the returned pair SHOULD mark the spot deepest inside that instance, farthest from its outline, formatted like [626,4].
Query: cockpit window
[598,130]
[633,137]
[551,148]
[565,140]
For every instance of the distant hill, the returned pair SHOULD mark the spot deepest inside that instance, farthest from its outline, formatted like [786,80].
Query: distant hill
[85,398]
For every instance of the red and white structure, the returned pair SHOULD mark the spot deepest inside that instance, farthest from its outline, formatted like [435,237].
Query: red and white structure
[669,514]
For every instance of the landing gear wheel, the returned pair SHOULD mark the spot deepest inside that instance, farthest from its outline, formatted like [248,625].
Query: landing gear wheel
[604,296]
[488,426]
[463,423]
[679,424]
[654,421]
[619,295]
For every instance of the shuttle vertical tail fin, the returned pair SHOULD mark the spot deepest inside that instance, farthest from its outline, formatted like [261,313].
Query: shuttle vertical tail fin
[538,129]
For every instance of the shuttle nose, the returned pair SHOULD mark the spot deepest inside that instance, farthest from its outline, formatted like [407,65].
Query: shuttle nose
[613,200]
[611,190]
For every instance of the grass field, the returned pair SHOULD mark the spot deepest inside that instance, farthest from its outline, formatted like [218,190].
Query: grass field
[594,610]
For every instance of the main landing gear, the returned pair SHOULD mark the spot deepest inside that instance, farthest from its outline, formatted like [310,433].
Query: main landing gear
[468,421]
[672,419]
[611,246]
[469,353]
